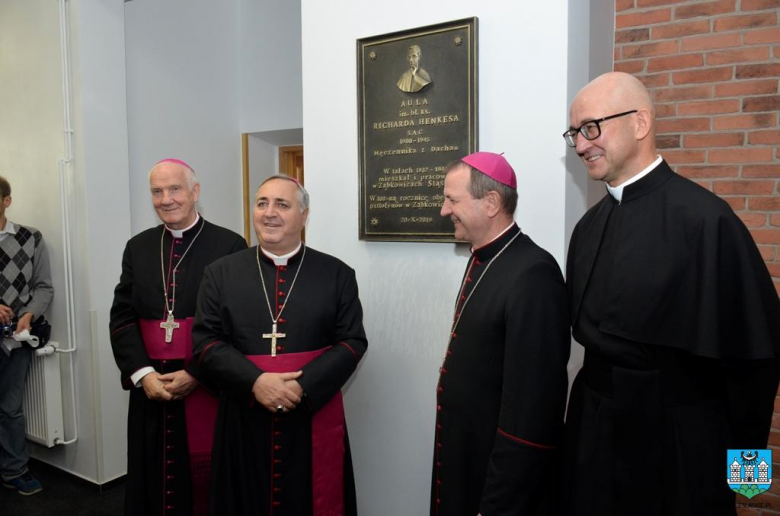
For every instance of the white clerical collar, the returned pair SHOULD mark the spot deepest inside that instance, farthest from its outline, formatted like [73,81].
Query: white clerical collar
[617,191]
[495,237]
[281,260]
[178,233]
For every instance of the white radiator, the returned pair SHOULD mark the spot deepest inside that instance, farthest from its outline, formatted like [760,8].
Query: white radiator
[43,400]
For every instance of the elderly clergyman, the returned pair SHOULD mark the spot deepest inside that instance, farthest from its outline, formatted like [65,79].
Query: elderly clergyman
[171,416]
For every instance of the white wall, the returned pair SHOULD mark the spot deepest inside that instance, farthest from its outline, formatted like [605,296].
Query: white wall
[102,208]
[31,140]
[270,69]
[263,162]
[591,40]
[269,84]
[32,126]
[31,136]
[601,60]
[183,101]
[408,289]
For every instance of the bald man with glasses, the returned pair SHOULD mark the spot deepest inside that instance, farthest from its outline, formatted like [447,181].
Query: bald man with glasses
[679,319]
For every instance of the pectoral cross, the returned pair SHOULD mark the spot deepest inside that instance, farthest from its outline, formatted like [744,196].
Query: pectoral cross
[273,336]
[169,325]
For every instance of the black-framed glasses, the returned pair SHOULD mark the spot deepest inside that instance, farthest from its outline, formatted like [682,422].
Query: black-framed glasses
[591,129]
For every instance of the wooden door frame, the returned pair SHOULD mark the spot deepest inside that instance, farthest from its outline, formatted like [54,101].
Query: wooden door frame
[287,155]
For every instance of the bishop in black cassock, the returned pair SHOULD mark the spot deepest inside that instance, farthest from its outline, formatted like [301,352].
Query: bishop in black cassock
[288,310]
[679,320]
[502,385]
[161,466]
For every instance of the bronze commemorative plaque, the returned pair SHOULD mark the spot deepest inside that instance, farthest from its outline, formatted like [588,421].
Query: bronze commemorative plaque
[417,111]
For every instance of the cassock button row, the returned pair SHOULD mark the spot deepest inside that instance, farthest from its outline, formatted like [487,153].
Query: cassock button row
[169,416]
[169,477]
[277,504]
[170,507]
[170,462]
[277,489]
[438,445]
[282,320]
[169,492]
[277,461]
[468,279]
[169,431]
[282,268]
[281,294]
[438,427]
[277,432]
[276,419]
[169,447]
[277,475]
[462,298]
[442,370]
[438,408]
[454,335]
[439,389]
[279,348]
[277,447]
[282,280]
[438,464]
[177,256]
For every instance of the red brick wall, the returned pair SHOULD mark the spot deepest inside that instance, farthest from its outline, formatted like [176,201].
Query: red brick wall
[713,69]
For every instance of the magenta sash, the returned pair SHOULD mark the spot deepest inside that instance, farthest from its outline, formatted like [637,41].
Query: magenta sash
[200,407]
[327,436]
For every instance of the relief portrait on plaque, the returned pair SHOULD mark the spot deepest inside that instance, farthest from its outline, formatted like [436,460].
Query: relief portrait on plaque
[415,78]
[417,111]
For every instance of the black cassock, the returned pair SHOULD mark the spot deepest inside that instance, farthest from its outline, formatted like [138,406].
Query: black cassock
[262,462]
[139,295]
[502,388]
[681,326]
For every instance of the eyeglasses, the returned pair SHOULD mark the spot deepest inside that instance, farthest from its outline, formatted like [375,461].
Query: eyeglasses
[590,130]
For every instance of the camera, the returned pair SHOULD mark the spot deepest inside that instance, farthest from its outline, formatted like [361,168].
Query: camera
[8,330]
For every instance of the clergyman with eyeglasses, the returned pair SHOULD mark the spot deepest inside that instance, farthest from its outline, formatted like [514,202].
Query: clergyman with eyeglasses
[679,319]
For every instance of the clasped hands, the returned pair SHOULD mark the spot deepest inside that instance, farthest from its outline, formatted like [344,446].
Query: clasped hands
[278,392]
[169,386]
